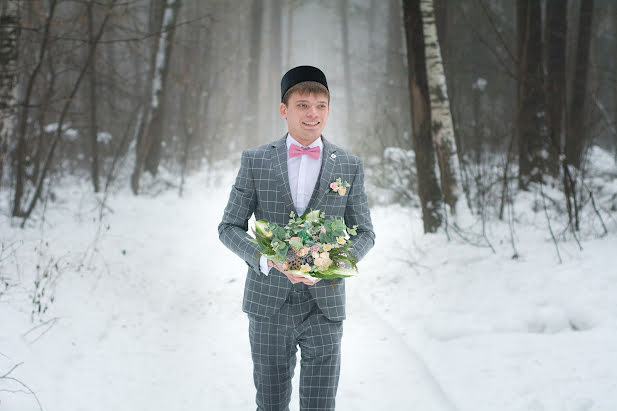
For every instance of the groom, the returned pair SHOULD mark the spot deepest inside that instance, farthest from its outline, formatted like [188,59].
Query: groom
[285,311]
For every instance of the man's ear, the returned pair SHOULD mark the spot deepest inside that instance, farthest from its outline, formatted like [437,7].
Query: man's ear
[283,110]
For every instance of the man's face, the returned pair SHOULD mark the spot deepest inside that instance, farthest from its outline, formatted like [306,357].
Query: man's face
[306,116]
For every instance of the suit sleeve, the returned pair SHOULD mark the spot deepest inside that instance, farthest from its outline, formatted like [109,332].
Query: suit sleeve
[240,207]
[357,213]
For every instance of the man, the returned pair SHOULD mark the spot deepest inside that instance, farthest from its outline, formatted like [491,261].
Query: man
[285,310]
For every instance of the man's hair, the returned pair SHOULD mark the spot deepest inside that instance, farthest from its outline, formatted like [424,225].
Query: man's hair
[306,87]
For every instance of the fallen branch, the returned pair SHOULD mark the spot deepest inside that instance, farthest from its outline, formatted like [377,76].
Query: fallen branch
[6,377]
[53,322]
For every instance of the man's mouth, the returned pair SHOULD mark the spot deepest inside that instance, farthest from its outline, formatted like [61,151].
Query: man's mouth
[311,124]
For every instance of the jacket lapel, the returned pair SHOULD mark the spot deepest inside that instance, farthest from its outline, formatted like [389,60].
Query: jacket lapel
[325,175]
[279,165]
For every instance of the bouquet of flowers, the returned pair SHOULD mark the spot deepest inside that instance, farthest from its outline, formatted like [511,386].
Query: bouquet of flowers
[309,245]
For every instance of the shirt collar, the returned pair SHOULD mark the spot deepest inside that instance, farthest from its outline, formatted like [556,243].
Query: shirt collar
[316,143]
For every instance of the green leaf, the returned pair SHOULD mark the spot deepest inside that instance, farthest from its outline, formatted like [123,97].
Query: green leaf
[304,236]
[311,216]
[336,272]
[295,243]
[262,229]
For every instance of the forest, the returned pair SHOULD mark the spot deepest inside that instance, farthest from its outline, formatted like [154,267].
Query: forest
[488,132]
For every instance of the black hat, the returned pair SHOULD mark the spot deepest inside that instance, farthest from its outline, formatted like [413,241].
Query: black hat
[299,74]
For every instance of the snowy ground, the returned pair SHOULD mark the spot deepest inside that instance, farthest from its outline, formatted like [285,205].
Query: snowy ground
[146,315]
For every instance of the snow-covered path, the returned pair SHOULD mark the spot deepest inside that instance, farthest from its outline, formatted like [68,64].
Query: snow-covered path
[161,327]
[148,317]
[378,361]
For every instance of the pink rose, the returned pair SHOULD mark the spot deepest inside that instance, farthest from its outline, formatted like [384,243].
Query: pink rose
[323,229]
[314,248]
[334,186]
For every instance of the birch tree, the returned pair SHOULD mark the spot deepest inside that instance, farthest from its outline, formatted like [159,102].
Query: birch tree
[9,41]
[441,116]
[150,142]
[153,157]
[428,187]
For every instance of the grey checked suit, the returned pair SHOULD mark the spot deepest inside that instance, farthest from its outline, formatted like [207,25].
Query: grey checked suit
[281,314]
[262,188]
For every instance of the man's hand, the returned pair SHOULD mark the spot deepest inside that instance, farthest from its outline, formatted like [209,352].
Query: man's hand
[294,278]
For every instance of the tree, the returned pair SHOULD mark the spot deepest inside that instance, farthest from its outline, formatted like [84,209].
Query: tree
[441,116]
[275,68]
[9,45]
[390,97]
[556,34]
[531,122]
[253,122]
[428,187]
[575,131]
[343,11]
[166,41]
[19,154]
[63,114]
[92,129]
[148,149]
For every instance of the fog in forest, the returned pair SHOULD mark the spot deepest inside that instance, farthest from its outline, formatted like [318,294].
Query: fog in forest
[199,81]
[486,137]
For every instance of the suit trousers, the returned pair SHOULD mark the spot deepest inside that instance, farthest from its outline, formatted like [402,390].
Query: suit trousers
[274,341]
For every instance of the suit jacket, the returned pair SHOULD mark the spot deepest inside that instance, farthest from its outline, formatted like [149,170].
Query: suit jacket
[262,188]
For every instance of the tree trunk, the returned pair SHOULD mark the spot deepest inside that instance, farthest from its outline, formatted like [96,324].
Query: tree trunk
[65,109]
[441,116]
[153,155]
[372,23]
[93,130]
[10,29]
[189,131]
[343,10]
[291,5]
[428,187]
[556,32]
[148,148]
[276,68]
[575,131]
[253,119]
[390,99]
[531,122]
[20,152]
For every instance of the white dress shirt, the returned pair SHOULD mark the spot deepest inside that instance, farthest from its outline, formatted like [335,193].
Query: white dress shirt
[303,172]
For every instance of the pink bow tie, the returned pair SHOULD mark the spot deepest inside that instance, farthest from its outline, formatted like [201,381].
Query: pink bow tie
[296,151]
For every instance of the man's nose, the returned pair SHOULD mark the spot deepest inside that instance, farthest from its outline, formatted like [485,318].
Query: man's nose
[312,111]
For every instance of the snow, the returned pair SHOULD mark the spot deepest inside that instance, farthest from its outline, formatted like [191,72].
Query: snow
[479,84]
[104,137]
[146,311]
[70,133]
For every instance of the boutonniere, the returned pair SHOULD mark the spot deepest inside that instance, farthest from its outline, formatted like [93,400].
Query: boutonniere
[339,186]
